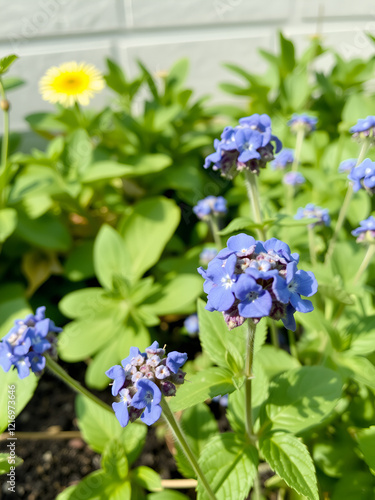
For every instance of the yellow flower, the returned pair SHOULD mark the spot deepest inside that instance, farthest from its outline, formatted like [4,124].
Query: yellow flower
[71,82]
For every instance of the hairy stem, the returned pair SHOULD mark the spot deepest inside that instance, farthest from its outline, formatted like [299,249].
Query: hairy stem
[4,147]
[366,261]
[274,337]
[214,226]
[60,373]
[345,206]
[312,250]
[297,152]
[253,195]
[176,429]
[292,344]
[251,327]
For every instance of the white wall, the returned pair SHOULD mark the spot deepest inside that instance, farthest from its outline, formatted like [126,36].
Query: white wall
[48,32]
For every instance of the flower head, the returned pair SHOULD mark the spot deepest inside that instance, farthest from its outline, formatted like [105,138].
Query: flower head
[284,159]
[366,231]
[364,127]
[293,179]
[347,165]
[363,176]
[304,122]
[71,83]
[311,211]
[142,379]
[211,205]
[24,345]
[248,146]
[254,279]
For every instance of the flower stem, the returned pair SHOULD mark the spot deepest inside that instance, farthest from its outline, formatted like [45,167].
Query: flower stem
[176,429]
[312,250]
[274,337]
[4,147]
[292,344]
[214,226]
[253,195]
[251,327]
[345,206]
[366,261]
[60,373]
[297,152]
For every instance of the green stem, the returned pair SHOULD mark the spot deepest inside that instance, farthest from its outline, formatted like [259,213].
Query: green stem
[366,261]
[256,489]
[297,152]
[214,226]
[176,429]
[312,250]
[80,116]
[60,373]
[292,344]
[345,206]
[253,195]
[274,337]
[251,327]
[4,147]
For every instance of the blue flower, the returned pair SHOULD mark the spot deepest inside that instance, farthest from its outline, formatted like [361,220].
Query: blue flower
[191,324]
[304,121]
[148,396]
[175,360]
[363,176]
[209,206]
[347,165]
[366,231]
[250,145]
[293,179]
[255,302]
[24,345]
[284,159]
[364,126]
[141,381]
[311,211]
[253,279]
[207,254]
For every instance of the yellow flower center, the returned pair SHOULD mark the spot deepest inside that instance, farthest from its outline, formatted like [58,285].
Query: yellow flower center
[71,82]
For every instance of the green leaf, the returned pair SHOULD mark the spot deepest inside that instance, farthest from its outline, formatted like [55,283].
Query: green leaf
[8,222]
[217,340]
[150,226]
[8,462]
[302,398]
[291,460]
[46,232]
[79,265]
[167,495]
[287,53]
[230,465]
[12,82]
[83,337]
[178,73]
[6,62]
[99,427]
[85,302]
[366,442]
[146,478]
[275,361]
[104,170]
[353,486]
[357,367]
[177,296]
[13,306]
[199,426]
[111,257]
[114,461]
[237,224]
[22,390]
[204,385]
[96,486]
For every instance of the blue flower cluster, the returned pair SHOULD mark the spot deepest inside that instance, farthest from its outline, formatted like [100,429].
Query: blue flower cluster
[253,279]
[303,121]
[209,206]
[363,176]
[206,255]
[347,165]
[284,159]
[366,231]
[311,211]
[245,147]
[192,325]
[365,127]
[23,347]
[142,379]
[293,179]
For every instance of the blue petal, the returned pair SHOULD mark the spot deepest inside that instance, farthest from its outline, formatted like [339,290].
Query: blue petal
[306,281]
[240,242]
[151,414]
[121,412]
[257,308]
[301,305]
[288,319]
[175,360]
[220,298]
